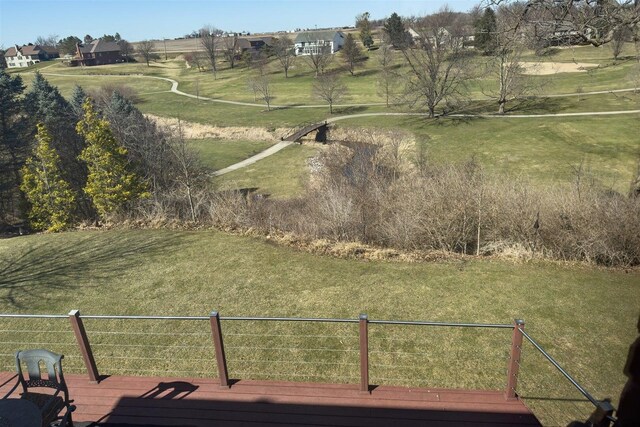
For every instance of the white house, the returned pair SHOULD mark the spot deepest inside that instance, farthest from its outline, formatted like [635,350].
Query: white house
[18,57]
[314,42]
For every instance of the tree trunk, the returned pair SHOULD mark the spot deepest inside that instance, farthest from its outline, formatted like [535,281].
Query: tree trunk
[501,105]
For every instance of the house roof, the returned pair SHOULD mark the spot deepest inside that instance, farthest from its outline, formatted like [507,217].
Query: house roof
[25,50]
[316,35]
[100,46]
[49,49]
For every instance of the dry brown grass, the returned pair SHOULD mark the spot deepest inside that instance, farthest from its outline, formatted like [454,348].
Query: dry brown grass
[192,130]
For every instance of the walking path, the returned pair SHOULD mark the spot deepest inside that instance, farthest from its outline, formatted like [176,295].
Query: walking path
[175,84]
[282,145]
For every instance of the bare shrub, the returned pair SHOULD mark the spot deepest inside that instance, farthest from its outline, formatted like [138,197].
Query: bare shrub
[103,94]
[355,196]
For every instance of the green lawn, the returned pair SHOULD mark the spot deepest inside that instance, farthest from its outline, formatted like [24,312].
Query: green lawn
[585,317]
[218,154]
[545,150]
[232,84]
[280,175]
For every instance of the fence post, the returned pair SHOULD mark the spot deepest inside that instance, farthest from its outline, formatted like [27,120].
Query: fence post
[85,347]
[514,360]
[221,359]
[364,353]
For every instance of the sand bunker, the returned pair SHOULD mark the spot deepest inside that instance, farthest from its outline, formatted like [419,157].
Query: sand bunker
[547,68]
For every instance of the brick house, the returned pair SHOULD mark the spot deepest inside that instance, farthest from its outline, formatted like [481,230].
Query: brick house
[98,52]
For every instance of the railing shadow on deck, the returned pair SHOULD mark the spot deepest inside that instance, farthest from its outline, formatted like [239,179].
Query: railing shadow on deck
[151,410]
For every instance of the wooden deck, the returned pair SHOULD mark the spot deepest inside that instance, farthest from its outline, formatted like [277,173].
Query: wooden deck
[150,401]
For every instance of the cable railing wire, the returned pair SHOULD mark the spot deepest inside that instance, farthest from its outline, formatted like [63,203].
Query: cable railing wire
[410,343]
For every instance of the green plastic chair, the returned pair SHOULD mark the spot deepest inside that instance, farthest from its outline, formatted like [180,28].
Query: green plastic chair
[50,405]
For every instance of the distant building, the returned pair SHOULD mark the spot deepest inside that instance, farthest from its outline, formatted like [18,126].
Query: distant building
[314,42]
[98,52]
[19,57]
[560,33]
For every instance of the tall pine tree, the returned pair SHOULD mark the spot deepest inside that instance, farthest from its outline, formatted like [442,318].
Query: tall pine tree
[486,37]
[110,183]
[50,196]
[394,28]
[14,147]
[44,104]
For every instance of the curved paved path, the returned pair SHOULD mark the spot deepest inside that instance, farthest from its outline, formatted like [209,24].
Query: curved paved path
[175,84]
[283,144]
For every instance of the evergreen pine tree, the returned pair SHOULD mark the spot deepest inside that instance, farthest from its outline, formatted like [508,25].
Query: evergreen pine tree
[394,28]
[44,104]
[110,183]
[51,198]
[364,25]
[486,32]
[14,146]
[351,53]
[78,96]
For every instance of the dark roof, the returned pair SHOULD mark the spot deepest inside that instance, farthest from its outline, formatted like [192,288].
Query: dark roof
[26,50]
[100,46]
[50,50]
[268,40]
[308,36]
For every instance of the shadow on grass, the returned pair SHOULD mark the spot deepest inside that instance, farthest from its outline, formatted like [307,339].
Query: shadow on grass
[365,73]
[31,274]
[349,110]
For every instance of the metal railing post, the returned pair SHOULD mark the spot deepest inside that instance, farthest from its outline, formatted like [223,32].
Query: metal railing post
[364,353]
[221,360]
[514,360]
[83,344]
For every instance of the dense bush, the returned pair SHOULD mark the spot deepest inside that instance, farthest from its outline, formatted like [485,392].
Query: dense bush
[357,195]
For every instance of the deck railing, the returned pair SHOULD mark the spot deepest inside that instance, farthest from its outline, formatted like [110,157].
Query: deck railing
[602,415]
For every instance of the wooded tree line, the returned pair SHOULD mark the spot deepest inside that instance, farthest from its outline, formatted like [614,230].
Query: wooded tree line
[87,159]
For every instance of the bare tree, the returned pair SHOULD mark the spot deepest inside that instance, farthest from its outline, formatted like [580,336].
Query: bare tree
[505,64]
[209,40]
[619,37]
[195,59]
[387,77]
[50,41]
[329,88]
[283,49]
[260,84]
[145,49]
[126,49]
[231,49]
[592,21]
[438,65]
[317,55]
[187,167]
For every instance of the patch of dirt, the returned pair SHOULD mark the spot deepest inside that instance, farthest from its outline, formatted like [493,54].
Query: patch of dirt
[194,130]
[548,68]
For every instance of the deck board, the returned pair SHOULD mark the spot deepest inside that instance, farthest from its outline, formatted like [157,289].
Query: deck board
[151,401]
